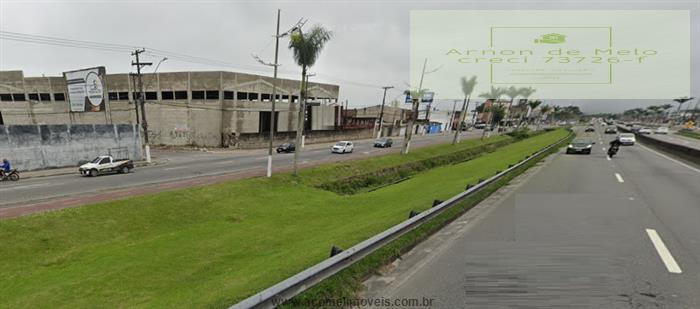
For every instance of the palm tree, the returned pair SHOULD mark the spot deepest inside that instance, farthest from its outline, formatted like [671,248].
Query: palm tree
[416,96]
[306,49]
[680,102]
[544,110]
[467,88]
[511,92]
[526,93]
[533,104]
[494,96]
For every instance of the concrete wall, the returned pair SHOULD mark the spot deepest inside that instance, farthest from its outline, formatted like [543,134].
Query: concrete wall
[30,147]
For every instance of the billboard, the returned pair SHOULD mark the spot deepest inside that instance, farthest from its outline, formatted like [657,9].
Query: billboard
[427,98]
[86,91]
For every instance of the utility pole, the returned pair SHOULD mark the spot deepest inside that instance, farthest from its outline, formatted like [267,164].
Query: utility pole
[450,124]
[414,116]
[381,111]
[136,104]
[462,115]
[142,100]
[275,65]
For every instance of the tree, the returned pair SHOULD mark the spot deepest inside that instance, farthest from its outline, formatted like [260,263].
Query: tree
[306,48]
[680,102]
[533,104]
[526,93]
[467,88]
[494,95]
[545,109]
[511,92]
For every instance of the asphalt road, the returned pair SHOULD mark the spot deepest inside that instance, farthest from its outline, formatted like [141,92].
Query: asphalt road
[187,165]
[578,231]
[677,139]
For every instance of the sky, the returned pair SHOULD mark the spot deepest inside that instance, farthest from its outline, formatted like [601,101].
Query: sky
[369,48]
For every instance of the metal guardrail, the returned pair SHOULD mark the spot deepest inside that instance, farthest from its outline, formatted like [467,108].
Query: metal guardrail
[292,286]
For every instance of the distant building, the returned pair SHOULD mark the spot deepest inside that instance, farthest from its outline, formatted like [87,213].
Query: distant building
[368,117]
[213,108]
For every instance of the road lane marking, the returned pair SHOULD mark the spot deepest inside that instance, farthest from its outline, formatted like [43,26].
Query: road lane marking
[671,159]
[663,252]
[176,168]
[608,157]
[619,178]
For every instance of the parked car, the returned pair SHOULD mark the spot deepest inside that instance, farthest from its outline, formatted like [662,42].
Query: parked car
[590,129]
[580,145]
[342,147]
[661,130]
[611,130]
[644,131]
[479,126]
[106,164]
[286,148]
[627,139]
[383,142]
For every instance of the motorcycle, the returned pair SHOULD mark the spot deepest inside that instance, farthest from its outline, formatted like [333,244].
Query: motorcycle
[613,151]
[13,175]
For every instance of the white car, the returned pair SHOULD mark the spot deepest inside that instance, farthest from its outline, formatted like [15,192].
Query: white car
[644,131]
[661,130]
[627,139]
[342,147]
[106,164]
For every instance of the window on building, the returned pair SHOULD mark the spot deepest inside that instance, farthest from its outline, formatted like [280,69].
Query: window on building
[123,96]
[45,97]
[59,96]
[18,97]
[295,99]
[212,94]
[241,95]
[285,98]
[33,97]
[2,122]
[113,96]
[135,95]
[252,96]
[228,95]
[181,95]
[167,95]
[151,95]
[265,97]
[198,95]
[5,97]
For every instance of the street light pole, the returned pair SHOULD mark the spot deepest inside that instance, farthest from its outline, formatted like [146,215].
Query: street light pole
[381,111]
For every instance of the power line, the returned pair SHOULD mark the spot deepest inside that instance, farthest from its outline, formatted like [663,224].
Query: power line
[122,48]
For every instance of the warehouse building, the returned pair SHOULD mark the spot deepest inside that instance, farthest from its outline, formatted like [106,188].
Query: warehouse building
[214,108]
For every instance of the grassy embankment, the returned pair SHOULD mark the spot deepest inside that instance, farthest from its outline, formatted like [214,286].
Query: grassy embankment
[213,246]
[689,133]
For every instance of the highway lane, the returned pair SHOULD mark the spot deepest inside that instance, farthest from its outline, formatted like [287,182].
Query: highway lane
[677,139]
[187,165]
[580,232]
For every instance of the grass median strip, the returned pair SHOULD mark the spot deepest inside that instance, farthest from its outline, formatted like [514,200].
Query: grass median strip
[212,246]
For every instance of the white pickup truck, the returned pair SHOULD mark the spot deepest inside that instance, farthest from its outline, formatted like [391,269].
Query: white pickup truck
[106,164]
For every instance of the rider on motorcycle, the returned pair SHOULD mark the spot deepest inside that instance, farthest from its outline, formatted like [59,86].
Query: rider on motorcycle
[5,168]
[614,146]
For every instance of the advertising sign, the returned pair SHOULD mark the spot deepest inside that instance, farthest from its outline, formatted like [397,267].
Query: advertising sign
[86,91]
[601,54]
[427,98]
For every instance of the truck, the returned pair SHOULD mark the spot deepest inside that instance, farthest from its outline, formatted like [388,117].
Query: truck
[104,165]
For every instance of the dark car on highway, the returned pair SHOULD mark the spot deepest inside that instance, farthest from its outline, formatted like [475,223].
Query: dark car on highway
[383,142]
[580,145]
[286,147]
[611,130]
[590,129]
